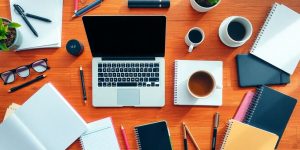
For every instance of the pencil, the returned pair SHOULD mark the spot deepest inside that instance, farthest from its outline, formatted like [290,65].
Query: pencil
[125,138]
[38,78]
[184,137]
[82,84]
[193,139]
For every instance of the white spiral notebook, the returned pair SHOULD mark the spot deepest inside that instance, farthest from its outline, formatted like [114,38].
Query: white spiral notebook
[184,69]
[278,41]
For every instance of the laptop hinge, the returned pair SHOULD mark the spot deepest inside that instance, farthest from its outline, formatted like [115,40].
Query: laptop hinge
[127,58]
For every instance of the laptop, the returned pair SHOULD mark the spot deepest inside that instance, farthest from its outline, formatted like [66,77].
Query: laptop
[128,66]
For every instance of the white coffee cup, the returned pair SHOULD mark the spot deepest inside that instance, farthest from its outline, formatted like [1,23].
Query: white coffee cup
[200,8]
[227,39]
[194,37]
[204,80]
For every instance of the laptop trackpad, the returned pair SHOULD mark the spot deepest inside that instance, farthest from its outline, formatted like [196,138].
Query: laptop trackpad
[128,97]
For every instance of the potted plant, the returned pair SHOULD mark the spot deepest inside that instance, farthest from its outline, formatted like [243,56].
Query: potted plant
[9,35]
[204,5]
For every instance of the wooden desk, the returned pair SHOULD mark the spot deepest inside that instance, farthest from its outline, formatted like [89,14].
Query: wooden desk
[64,73]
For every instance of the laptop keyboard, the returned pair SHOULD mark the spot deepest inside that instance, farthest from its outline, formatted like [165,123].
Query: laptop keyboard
[128,74]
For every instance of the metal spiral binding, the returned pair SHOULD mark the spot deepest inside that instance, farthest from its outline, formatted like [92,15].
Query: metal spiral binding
[137,139]
[225,137]
[263,28]
[175,83]
[253,104]
[81,143]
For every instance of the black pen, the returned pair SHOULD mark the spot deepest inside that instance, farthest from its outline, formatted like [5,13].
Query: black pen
[82,84]
[38,78]
[184,137]
[38,17]
[21,12]
[215,130]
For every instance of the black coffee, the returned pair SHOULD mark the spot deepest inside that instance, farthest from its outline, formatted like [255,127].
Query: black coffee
[195,36]
[236,31]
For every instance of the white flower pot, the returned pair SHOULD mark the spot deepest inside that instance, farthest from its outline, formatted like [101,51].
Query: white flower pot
[200,8]
[18,39]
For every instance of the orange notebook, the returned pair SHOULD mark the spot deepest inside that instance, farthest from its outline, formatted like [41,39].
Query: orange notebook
[241,136]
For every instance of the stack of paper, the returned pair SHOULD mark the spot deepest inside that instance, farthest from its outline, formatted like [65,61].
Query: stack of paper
[49,34]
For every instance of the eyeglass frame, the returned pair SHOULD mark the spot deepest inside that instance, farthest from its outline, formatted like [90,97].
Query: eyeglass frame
[14,71]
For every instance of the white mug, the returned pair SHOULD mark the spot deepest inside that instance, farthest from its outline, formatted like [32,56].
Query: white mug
[192,44]
[215,85]
[224,35]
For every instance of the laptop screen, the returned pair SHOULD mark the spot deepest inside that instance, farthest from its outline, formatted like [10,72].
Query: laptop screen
[126,36]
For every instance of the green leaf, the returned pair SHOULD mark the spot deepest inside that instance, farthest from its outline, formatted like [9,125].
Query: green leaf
[1,22]
[3,37]
[213,2]
[5,29]
[13,25]
[3,47]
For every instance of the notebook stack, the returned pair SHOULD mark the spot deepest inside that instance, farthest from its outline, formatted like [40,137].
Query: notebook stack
[267,110]
[275,52]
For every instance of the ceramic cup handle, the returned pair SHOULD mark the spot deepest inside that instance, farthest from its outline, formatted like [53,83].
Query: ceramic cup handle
[191,48]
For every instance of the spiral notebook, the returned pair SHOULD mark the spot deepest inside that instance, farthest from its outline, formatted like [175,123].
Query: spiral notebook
[153,136]
[270,110]
[184,69]
[240,136]
[278,42]
[100,136]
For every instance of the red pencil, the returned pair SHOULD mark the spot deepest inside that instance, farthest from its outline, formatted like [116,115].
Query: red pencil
[125,137]
[75,6]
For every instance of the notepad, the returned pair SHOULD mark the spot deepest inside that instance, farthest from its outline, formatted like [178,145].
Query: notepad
[240,136]
[11,109]
[45,121]
[100,135]
[253,71]
[278,42]
[270,110]
[49,33]
[153,136]
[184,69]
[242,110]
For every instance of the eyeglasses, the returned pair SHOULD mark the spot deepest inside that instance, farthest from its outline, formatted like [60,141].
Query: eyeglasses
[24,71]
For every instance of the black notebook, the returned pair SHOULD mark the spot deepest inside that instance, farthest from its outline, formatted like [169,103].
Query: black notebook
[153,136]
[270,110]
[253,71]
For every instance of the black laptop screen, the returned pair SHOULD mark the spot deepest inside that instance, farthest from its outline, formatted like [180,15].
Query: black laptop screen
[126,36]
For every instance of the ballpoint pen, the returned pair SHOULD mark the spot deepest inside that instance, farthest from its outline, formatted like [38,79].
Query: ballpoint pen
[215,130]
[21,12]
[87,8]
[192,137]
[38,78]
[37,17]
[82,84]
[184,137]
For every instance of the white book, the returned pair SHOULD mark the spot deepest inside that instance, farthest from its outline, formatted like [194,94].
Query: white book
[100,136]
[49,34]
[45,121]
[278,42]
[184,69]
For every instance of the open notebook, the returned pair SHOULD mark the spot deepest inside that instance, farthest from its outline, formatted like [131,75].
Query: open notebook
[45,121]
[49,33]
[240,136]
[100,135]
[278,42]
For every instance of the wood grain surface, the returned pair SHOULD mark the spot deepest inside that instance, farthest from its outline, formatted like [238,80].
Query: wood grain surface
[64,72]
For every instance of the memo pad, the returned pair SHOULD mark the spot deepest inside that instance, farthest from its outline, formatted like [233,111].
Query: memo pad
[184,69]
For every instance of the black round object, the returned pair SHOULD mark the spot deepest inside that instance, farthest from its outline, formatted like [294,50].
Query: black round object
[74,47]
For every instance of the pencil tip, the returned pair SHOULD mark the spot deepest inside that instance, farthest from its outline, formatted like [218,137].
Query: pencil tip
[9,91]
[122,127]
[44,75]
[73,16]
[80,67]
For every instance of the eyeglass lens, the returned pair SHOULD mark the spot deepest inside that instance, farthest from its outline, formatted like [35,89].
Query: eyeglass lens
[23,71]
[40,66]
[8,77]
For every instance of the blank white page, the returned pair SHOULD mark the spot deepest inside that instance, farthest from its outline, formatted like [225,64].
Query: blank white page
[279,40]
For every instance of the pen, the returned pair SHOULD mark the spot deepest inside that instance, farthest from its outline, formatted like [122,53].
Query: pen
[184,137]
[215,130]
[87,8]
[38,78]
[38,17]
[125,137]
[82,84]
[193,139]
[75,6]
[21,12]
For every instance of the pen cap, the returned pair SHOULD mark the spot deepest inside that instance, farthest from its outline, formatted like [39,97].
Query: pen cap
[74,47]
